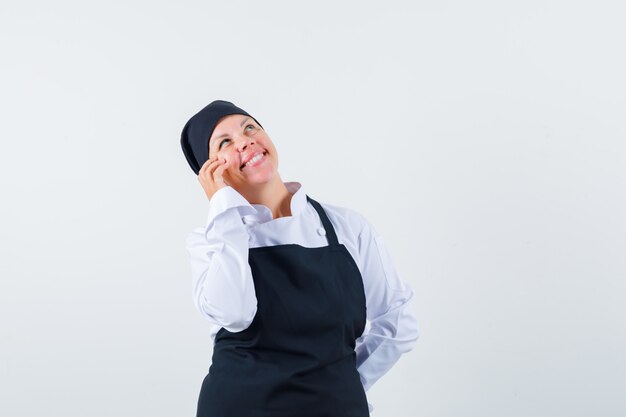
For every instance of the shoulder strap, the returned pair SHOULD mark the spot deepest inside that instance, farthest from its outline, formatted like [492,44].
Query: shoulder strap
[330,230]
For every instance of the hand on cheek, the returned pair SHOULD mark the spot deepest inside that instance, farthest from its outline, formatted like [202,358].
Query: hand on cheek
[227,165]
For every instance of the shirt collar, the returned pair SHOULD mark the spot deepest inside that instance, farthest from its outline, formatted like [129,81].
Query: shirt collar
[264,214]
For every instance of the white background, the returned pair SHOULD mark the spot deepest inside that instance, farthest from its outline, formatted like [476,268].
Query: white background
[484,140]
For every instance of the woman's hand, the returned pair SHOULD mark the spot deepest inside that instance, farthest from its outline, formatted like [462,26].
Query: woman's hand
[211,175]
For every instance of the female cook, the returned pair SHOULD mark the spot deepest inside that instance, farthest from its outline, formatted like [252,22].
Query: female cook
[289,284]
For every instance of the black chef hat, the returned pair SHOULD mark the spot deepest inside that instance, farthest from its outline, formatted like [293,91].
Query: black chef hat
[197,131]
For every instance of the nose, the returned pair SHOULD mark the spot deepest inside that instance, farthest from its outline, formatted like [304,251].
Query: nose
[243,142]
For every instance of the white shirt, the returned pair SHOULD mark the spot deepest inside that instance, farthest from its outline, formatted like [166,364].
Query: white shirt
[223,288]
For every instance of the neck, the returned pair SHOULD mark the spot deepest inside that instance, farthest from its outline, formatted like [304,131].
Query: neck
[273,194]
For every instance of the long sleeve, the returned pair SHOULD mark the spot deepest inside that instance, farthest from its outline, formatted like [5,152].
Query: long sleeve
[393,327]
[223,289]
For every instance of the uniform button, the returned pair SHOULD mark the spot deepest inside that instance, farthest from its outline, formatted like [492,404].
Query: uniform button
[321,231]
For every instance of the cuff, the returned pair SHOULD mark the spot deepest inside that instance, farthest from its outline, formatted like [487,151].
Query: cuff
[224,199]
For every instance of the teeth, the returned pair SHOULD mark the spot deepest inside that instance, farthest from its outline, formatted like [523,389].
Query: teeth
[253,160]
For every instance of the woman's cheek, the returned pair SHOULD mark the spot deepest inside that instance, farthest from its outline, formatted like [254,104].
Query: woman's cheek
[222,156]
[227,158]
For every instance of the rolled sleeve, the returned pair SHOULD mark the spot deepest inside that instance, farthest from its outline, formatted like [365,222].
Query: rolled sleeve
[224,199]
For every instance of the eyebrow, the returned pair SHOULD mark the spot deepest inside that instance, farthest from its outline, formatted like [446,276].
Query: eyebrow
[226,134]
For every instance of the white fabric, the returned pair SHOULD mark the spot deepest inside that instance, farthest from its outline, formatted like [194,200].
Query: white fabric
[223,289]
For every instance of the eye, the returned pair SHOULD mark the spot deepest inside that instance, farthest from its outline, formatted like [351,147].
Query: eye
[252,126]
[220,145]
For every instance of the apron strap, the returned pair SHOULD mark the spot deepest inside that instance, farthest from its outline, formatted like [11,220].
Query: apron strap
[330,230]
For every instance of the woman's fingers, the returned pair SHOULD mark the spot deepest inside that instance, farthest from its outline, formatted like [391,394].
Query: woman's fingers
[218,174]
[209,167]
[211,175]
[207,164]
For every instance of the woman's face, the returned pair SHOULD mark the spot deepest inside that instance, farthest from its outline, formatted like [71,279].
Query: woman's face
[238,138]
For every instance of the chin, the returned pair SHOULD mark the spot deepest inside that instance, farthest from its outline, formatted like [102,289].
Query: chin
[261,177]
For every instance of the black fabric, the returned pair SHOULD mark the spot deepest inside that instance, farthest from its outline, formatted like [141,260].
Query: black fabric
[297,356]
[195,136]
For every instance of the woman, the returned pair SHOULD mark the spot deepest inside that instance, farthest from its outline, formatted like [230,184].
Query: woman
[288,284]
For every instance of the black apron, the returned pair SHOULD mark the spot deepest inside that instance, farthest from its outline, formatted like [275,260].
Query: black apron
[297,358]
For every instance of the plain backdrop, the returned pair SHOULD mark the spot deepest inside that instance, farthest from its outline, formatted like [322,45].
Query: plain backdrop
[484,140]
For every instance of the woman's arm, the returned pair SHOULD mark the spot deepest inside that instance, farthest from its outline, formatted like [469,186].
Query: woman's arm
[393,325]
[223,289]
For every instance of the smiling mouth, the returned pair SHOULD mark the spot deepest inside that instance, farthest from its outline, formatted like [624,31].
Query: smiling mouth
[264,153]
